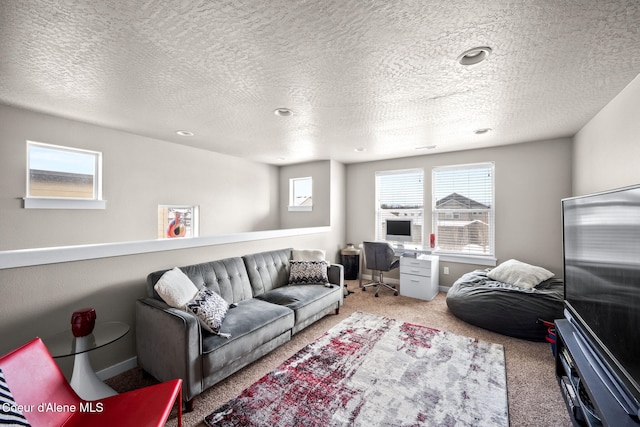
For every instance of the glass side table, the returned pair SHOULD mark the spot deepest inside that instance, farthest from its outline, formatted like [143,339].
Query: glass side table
[84,380]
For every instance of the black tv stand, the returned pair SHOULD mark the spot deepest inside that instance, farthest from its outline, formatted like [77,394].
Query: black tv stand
[588,399]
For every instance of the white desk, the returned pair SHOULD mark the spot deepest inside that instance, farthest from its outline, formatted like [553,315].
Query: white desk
[411,250]
[419,276]
[419,271]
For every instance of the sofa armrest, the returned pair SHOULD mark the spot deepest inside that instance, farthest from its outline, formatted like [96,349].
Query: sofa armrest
[335,273]
[169,344]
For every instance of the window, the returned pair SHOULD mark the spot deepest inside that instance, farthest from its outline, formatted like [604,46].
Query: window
[301,194]
[400,195]
[463,209]
[63,177]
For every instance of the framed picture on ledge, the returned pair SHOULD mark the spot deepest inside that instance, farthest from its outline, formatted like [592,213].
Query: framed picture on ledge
[176,221]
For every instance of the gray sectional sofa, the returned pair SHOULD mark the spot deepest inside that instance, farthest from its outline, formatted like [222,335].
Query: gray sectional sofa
[268,311]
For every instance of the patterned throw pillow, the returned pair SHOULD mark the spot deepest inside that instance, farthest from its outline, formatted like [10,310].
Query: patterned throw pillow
[308,272]
[9,413]
[210,308]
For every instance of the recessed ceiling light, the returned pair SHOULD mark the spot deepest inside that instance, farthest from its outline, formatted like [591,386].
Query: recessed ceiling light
[426,147]
[184,133]
[283,112]
[474,56]
[360,149]
[482,131]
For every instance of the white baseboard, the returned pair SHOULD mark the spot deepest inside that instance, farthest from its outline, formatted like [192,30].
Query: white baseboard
[117,369]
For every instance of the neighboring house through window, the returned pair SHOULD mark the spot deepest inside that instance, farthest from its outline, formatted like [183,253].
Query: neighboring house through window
[400,195]
[63,177]
[301,194]
[463,209]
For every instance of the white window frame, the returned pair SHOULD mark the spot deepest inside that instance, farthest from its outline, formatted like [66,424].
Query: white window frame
[462,256]
[417,214]
[40,202]
[293,196]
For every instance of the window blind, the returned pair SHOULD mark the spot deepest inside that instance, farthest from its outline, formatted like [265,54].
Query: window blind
[463,208]
[400,195]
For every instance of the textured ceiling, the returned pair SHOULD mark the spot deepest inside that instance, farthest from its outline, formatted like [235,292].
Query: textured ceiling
[379,75]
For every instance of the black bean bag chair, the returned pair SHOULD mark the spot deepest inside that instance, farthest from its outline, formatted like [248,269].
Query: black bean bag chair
[504,308]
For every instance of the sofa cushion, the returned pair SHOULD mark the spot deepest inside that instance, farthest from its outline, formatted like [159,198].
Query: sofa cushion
[307,272]
[304,300]
[252,323]
[210,308]
[226,277]
[268,270]
[175,288]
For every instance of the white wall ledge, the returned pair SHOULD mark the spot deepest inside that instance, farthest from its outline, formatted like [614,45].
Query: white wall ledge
[59,203]
[55,255]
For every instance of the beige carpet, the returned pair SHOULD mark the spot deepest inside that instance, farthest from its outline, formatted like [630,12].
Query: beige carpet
[533,393]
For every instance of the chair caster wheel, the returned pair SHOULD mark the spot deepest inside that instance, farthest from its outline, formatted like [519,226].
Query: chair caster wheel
[376,295]
[395,293]
[364,289]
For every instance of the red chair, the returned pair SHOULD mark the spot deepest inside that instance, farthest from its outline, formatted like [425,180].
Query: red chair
[36,382]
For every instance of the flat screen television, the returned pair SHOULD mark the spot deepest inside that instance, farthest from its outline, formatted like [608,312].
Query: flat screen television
[601,239]
[399,230]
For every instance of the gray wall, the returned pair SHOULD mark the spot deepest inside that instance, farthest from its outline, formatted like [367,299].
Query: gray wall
[530,181]
[321,213]
[338,203]
[234,195]
[38,301]
[607,149]
[140,173]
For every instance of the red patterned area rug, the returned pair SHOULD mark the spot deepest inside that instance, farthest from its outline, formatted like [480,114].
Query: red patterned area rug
[375,371]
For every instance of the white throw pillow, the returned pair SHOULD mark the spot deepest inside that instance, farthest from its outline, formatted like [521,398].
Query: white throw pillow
[520,274]
[308,255]
[175,288]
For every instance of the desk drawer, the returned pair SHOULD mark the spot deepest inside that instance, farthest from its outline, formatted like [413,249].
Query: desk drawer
[414,262]
[416,271]
[417,286]
[415,266]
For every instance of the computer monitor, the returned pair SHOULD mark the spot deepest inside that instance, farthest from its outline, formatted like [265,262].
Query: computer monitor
[399,230]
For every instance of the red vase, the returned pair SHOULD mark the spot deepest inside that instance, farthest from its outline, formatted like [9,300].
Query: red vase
[82,322]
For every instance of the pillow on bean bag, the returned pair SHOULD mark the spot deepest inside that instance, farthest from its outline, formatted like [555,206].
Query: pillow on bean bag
[520,274]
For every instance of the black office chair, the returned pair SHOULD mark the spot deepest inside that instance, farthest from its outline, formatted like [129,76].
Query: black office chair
[379,257]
